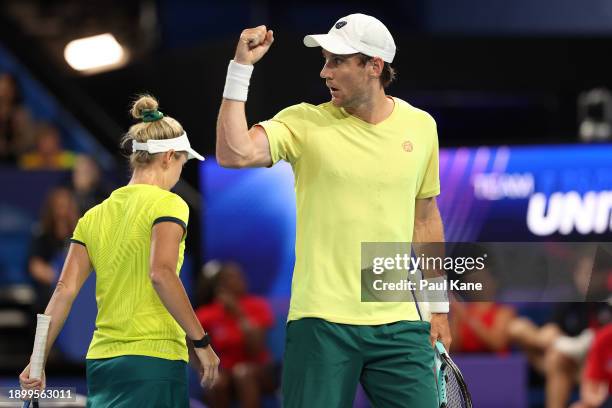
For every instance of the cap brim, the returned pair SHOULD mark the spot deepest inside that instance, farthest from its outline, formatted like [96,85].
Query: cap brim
[192,154]
[330,43]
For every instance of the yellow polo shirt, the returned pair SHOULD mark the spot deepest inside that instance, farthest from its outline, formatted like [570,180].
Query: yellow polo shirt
[355,182]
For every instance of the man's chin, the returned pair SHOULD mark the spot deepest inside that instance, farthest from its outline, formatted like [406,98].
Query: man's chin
[336,102]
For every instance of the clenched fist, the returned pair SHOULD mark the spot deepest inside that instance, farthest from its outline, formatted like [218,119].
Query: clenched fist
[253,44]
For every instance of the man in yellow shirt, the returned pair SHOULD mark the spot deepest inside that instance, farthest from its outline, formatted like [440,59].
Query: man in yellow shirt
[366,170]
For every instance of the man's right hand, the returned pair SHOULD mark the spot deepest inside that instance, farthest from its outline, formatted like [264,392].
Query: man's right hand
[210,365]
[253,44]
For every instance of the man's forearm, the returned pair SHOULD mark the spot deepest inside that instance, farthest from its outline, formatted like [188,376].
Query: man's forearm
[427,231]
[429,228]
[428,242]
[234,146]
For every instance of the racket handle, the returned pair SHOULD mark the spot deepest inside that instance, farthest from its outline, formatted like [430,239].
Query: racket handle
[440,348]
[40,343]
[38,352]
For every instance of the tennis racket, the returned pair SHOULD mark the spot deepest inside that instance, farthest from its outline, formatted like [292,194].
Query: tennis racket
[38,353]
[452,389]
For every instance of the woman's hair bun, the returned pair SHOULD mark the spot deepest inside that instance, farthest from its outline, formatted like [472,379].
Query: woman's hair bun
[143,103]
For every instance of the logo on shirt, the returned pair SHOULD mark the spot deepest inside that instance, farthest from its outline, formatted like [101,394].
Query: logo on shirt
[340,24]
[407,146]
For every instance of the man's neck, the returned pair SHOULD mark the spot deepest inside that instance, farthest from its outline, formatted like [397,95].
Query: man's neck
[374,110]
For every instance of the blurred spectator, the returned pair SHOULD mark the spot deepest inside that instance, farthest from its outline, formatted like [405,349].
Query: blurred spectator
[480,325]
[558,349]
[49,154]
[59,217]
[87,184]
[237,323]
[596,385]
[534,340]
[16,129]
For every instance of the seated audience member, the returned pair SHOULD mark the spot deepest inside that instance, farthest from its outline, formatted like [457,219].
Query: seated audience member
[87,185]
[479,325]
[559,348]
[596,385]
[237,323]
[48,154]
[50,240]
[16,127]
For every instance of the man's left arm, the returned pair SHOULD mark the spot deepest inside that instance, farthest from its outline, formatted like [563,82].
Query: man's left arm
[428,229]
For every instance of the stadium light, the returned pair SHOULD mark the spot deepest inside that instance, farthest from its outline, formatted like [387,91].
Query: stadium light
[95,54]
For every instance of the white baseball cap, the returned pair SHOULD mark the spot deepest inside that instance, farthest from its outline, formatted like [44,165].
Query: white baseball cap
[179,144]
[356,33]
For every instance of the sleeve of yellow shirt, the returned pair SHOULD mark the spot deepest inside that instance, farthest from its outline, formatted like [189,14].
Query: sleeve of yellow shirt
[430,186]
[78,236]
[171,208]
[285,131]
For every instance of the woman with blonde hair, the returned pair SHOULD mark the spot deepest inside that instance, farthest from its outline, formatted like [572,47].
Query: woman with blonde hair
[135,241]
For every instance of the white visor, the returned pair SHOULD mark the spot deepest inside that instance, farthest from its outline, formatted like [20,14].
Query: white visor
[179,144]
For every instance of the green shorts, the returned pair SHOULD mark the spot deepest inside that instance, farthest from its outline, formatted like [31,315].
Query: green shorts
[324,362]
[137,381]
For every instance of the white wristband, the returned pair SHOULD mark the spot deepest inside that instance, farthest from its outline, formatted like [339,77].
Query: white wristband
[440,304]
[439,307]
[237,81]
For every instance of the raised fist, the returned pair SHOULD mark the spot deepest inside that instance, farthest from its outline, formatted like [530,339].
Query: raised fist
[253,44]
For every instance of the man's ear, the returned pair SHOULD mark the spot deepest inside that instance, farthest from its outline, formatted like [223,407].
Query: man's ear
[376,66]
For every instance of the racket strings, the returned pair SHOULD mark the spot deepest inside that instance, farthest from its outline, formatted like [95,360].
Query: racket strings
[454,393]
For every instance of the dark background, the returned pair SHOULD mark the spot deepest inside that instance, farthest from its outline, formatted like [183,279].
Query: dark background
[491,72]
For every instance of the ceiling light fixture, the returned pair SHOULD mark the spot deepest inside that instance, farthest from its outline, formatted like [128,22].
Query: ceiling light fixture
[95,54]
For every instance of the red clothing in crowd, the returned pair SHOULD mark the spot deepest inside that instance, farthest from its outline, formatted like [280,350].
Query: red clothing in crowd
[599,360]
[470,342]
[227,336]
